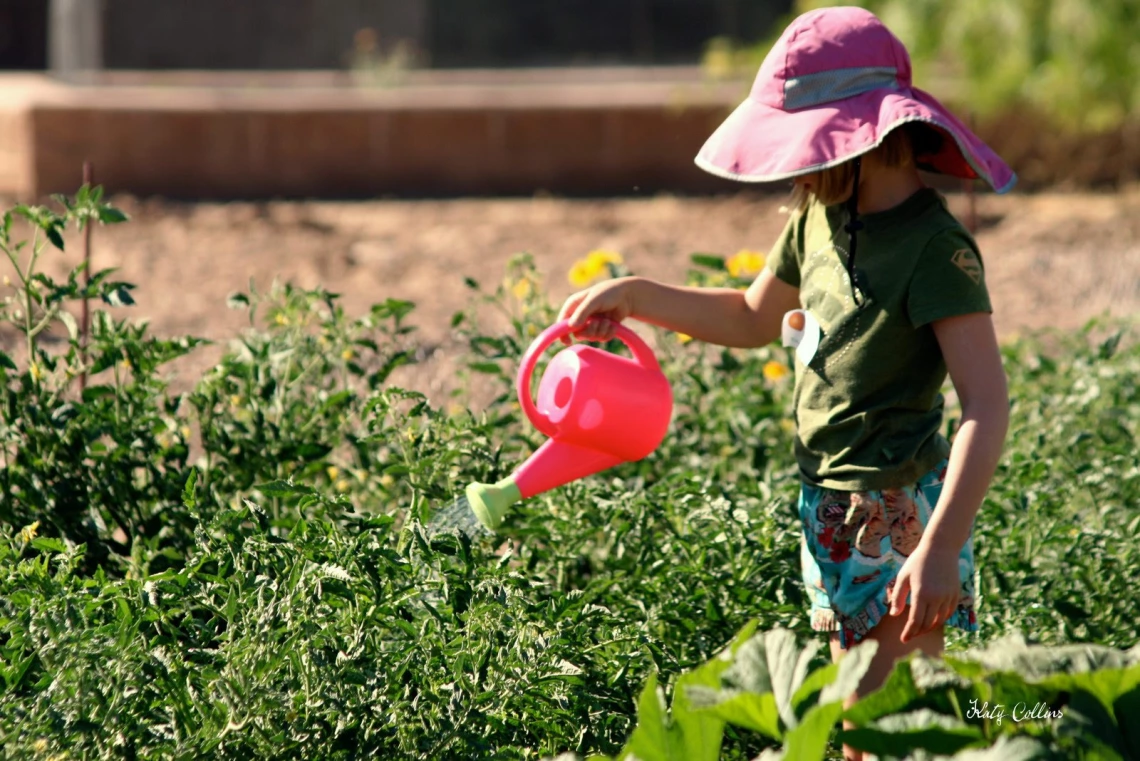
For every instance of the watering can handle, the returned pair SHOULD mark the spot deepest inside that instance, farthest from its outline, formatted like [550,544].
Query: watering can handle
[641,353]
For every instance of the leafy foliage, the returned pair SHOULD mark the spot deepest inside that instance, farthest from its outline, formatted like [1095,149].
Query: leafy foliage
[244,571]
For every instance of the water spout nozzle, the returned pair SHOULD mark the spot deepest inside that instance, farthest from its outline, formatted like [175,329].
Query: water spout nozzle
[490,502]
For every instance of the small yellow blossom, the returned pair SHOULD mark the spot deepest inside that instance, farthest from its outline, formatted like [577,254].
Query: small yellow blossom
[774,371]
[347,354]
[28,533]
[185,431]
[599,258]
[235,400]
[582,274]
[333,472]
[387,481]
[522,288]
[585,271]
[40,745]
[342,485]
[684,338]
[281,319]
[35,371]
[745,263]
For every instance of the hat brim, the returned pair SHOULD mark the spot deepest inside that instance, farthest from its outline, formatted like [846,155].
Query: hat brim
[762,143]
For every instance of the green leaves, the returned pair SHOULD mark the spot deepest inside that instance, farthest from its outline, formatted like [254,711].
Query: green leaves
[768,689]
[276,595]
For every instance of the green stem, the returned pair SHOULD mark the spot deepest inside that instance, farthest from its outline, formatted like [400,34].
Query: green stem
[24,281]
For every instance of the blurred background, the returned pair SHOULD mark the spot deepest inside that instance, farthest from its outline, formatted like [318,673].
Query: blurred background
[392,147]
[357,98]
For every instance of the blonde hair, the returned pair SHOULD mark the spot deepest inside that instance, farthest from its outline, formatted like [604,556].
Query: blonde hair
[899,148]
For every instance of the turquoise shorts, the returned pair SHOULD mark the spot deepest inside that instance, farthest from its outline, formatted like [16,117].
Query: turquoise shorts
[855,543]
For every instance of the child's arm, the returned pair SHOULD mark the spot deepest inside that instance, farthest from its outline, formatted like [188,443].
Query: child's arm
[723,316]
[930,574]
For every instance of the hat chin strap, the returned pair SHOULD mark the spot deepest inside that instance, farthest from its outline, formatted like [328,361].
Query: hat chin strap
[853,226]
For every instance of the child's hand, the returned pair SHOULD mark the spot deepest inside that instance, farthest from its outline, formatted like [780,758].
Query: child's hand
[930,577]
[594,313]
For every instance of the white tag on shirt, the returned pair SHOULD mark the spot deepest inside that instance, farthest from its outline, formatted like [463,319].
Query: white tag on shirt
[804,340]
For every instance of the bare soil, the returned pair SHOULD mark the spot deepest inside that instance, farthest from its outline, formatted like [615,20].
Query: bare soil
[1053,260]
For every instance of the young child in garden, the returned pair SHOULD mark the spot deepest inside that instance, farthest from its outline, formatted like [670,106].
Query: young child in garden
[888,292]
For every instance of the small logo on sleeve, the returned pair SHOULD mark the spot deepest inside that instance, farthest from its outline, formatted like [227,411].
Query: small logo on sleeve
[967,261]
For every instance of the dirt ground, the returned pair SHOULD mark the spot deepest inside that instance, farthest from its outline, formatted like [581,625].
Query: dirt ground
[1052,259]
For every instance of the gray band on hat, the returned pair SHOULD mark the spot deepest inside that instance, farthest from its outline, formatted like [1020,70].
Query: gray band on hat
[827,86]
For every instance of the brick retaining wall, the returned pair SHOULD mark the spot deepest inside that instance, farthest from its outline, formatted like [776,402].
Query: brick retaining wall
[585,132]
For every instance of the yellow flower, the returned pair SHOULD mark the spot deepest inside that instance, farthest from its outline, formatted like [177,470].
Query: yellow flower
[342,485]
[600,258]
[585,271]
[745,263]
[582,273]
[333,472]
[28,533]
[522,288]
[281,319]
[35,371]
[347,354]
[235,400]
[774,371]
[185,431]
[684,338]
[387,481]
[40,745]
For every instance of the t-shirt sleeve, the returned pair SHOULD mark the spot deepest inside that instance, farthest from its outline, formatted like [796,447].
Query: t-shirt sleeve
[787,252]
[949,279]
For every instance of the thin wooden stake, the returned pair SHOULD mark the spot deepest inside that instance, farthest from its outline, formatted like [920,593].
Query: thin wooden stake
[89,181]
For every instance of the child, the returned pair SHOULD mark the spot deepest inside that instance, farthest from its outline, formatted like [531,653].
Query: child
[893,296]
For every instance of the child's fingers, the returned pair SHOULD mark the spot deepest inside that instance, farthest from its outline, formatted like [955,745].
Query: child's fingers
[947,611]
[597,329]
[899,593]
[569,307]
[581,314]
[916,622]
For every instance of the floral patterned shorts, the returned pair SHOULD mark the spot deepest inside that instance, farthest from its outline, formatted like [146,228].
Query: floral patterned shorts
[855,543]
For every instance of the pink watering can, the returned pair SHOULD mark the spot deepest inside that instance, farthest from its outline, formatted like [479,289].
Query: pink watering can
[599,409]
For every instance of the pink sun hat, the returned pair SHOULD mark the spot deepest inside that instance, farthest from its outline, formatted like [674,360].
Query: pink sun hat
[831,88]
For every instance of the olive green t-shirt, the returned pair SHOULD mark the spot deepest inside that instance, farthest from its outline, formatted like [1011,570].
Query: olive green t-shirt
[868,406]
